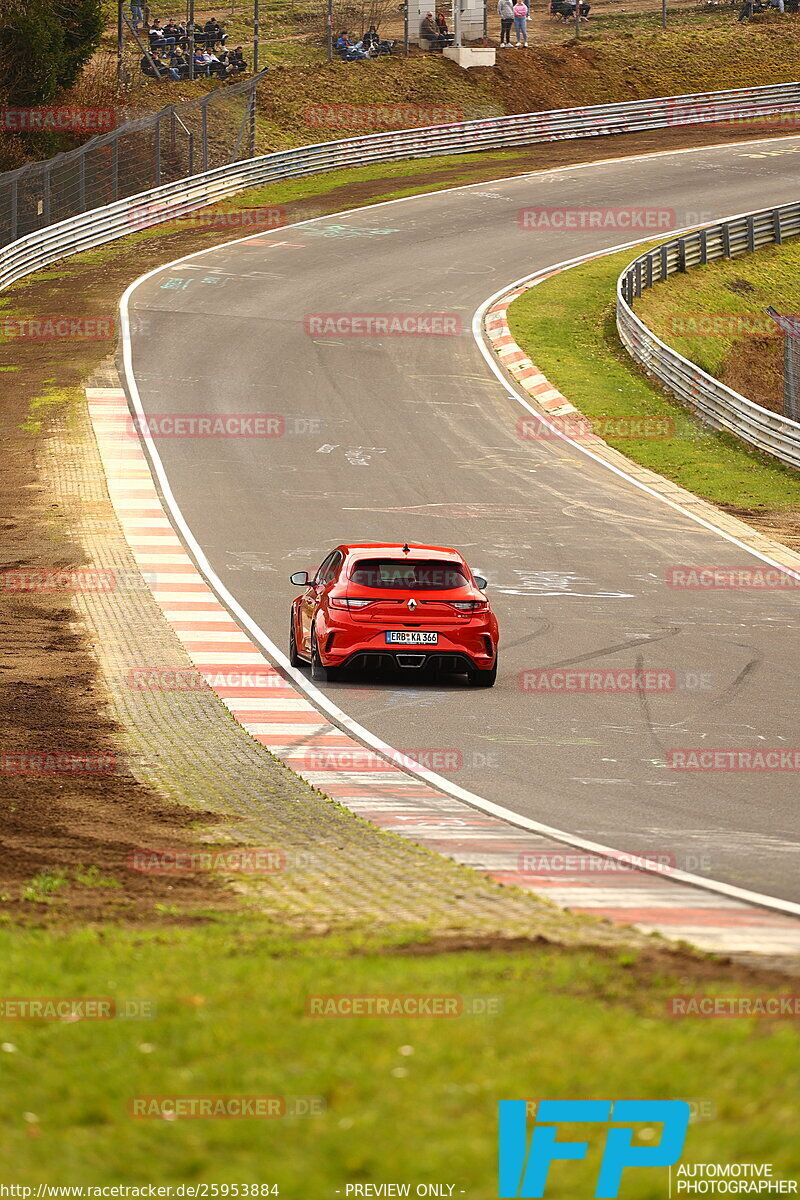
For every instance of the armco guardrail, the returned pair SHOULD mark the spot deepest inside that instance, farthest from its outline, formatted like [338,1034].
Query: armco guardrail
[717,404]
[100,225]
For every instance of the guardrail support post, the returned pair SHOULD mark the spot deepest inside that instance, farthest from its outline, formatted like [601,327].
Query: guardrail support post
[664,264]
[649,275]
[751,233]
[637,279]
[726,241]
[682,255]
[703,247]
[776,226]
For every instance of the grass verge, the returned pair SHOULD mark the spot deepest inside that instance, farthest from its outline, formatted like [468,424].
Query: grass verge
[567,326]
[405,1098]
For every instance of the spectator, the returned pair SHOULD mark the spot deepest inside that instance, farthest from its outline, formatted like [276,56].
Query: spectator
[137,16]
[349,51]
[236,61]
[201,64]
[156,35]
[214,33]
[195,33]
[180,63]
[157,69]
[441,24]
[170,34]
[521,23]
[374,44]
[429,30]
[505,11]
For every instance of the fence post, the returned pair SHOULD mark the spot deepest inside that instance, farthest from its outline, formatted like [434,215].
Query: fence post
[157,151]
[204,125]
[256,35]
[82,183]
[115,168]
[14,205]
[46,196]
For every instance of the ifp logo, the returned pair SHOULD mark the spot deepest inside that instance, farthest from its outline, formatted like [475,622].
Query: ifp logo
[524,1168]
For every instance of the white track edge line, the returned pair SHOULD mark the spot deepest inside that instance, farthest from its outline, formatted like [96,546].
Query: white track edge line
[318,698]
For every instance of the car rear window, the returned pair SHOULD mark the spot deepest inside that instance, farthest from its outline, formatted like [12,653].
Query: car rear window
[418,576]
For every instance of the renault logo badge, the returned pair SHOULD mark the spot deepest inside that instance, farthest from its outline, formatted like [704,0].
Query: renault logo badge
[412,604]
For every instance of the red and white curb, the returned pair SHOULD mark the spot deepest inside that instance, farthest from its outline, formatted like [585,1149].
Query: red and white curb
[278,716]
[517,362]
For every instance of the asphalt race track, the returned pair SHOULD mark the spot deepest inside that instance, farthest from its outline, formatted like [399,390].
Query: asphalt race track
[414,438]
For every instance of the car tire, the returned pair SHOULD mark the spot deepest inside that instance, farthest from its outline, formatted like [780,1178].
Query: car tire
[319,672]
[485,678]
[294,657]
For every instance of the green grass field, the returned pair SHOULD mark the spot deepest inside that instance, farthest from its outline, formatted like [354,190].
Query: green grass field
[404,1098]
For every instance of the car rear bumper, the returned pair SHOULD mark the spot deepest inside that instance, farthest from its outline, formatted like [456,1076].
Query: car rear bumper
[343,645]
[414,659]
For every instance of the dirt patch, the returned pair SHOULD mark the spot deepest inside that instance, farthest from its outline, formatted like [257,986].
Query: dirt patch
[651,965]
[754,368]
[782,525]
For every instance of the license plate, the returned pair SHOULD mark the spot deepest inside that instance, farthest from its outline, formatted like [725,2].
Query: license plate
[411,637]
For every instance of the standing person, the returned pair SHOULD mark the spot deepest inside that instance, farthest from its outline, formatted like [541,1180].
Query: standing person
[505,10]
[521,23]
[137,16]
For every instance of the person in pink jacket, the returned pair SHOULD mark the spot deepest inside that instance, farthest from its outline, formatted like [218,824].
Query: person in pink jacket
[521,11]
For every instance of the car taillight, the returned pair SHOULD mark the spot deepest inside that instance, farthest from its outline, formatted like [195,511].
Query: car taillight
[471,605]
[344,602]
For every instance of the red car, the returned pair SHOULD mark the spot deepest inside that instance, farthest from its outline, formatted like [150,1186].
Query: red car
[414,608]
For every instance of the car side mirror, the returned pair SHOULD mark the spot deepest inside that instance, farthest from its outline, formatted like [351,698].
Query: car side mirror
[480,583]
[299,579]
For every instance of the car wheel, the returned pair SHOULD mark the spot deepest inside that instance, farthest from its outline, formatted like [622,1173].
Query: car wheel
[485,678]
[319,672]
[294,657]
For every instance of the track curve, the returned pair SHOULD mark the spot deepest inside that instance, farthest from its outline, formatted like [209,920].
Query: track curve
[415,438]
